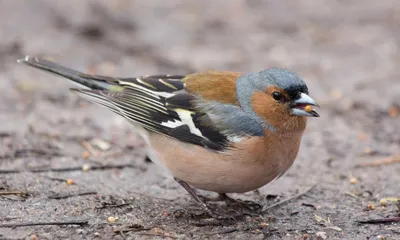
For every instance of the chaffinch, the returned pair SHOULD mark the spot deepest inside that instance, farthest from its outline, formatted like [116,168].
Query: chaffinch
[224,132]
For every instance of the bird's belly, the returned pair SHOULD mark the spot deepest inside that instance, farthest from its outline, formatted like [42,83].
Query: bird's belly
[228,172]
[230,178]
[210,172]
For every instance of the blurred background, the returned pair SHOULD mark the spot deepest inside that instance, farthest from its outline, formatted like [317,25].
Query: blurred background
[346,51]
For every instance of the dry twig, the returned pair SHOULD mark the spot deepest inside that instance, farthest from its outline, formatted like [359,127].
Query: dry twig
[379,162]
[289,199]
[226,231]
[61,223]
[90,148]
[113,205]
[380,220]
[67,169]
[63,196]
[133,228]
[6,193]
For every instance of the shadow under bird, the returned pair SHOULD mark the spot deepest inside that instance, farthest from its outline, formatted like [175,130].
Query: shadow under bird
[225,132]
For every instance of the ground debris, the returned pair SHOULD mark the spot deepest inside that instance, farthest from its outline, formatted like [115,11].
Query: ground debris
[385,161]
[132,228]
[335,228]
[112,219]
[310,205]
[113,202]
[68,195]
[265,209]
[67,169]
[380,220]
[327,223]
[58,223]
[370,206]
[321,235]
[113,205]
[353,180]
[14,192]
[29,152]
[351,194]
[100,144]
[94,145]
[394,111]
[88,146]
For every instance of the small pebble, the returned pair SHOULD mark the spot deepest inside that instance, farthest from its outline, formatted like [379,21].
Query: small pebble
[353,180]
[371,206]
[321,235]
[85,167]
[112,219]
[70,181]
[368,150]
[85,155]
[34,237]
[394,111]
[101,144]
[383,202]
[263,224]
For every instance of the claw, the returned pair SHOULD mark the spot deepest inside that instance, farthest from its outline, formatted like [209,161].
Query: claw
[249,205]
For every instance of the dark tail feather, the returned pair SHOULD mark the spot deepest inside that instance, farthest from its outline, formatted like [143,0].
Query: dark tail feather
[71,74]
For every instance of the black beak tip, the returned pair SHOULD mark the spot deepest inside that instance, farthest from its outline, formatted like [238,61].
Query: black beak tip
[315,114]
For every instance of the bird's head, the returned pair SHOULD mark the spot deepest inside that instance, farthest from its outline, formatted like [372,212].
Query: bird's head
[276,95]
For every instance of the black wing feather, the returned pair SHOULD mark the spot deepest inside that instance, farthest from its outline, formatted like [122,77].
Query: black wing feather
[156,111]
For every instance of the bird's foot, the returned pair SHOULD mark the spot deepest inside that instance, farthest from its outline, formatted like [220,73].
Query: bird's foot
[211,211]
[220,215]
[248,205]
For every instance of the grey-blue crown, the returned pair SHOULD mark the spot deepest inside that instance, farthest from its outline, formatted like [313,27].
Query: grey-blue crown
[284,79]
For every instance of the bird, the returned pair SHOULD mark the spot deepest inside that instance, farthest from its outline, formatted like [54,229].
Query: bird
[218,131]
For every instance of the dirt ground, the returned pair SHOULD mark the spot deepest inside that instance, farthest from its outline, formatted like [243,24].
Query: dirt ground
[347,52]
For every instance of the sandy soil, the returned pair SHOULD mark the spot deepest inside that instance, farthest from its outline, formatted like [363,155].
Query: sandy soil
[347,52]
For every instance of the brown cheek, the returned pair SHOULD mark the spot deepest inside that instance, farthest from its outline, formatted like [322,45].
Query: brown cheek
[272,111]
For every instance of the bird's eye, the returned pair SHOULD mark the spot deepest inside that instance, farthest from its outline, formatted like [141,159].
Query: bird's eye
[277,96]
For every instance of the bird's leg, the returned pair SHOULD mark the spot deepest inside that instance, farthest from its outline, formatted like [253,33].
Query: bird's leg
[250,205]
[196,197]
[191,191]
[212,199]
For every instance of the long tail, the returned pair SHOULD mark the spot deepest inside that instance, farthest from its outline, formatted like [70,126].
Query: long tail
[82,79]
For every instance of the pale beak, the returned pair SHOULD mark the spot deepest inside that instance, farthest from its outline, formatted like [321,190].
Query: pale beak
[300,104]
